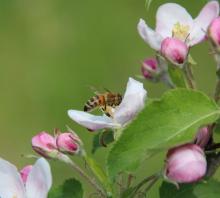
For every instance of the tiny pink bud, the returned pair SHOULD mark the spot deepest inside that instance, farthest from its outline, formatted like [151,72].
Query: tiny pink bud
[68,143]
[149,67]
[185,164]
[202,137]
[25,172]
[174,50]
[214,31]
[44,144]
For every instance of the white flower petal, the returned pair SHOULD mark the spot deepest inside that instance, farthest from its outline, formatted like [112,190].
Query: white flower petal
[150,37]
[170,14]
[11,184]
[132,103]
[201,23]
[92,122]
[39,180]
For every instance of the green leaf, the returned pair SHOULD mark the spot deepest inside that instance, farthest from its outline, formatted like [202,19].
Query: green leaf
[209,189]
[71,188]
[177,76]
[102,139]
[172,119]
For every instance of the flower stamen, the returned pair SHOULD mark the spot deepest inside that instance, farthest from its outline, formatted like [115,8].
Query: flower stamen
[180,31]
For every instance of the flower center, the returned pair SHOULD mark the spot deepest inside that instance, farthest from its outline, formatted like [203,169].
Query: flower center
[180,31]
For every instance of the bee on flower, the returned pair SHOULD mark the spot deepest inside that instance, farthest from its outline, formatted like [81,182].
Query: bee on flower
[131,104]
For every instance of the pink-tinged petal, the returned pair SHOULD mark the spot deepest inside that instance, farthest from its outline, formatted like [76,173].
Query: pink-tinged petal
[174,50]
[185,164]
[92,122]
[148,35]
[149,68]
[132,103]
[39,180]
[11,184]
[214,32]
[202,137]
[24,172]
[44,144]
[201,23]
[170,14]
[68,143]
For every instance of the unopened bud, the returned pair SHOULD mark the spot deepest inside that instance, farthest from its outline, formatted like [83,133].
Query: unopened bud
[214,32]
[25,172]
[149,68]
[45,145]
[202,137]
[185,164]
[68,143]
[174,50]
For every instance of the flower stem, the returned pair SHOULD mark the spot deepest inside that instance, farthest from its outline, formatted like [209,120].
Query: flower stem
[76,168]
[152,179]
[152,182]
[189,75]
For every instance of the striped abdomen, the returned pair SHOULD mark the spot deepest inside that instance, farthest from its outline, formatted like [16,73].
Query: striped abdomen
[94,102]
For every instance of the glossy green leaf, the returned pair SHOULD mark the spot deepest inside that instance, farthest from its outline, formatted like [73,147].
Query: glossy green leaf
[206,189]
[162,123]
[71,188]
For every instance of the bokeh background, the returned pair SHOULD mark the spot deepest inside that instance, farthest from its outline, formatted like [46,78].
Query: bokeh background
[52,51]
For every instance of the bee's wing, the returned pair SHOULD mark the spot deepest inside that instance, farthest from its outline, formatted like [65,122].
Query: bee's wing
[94,89]
[107,90]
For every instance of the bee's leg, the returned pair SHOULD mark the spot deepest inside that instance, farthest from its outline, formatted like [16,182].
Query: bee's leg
[109,111]
[104,110]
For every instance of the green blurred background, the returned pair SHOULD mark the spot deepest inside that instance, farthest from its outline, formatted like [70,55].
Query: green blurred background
[51,51]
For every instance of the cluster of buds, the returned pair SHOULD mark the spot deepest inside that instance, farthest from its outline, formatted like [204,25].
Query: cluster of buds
[51,146]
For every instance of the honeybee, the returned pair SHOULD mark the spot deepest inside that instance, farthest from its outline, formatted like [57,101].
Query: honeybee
[106,101]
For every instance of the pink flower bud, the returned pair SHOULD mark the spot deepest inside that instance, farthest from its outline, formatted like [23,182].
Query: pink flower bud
[185,164]
[202,137]
[214,31]
[68,143]
[25,172]
[149,68]
[44,144]
[174,50]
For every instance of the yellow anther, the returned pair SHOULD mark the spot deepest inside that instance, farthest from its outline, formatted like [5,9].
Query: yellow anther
[180,31]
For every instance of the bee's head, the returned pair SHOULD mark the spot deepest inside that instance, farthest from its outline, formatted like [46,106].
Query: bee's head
[119,96]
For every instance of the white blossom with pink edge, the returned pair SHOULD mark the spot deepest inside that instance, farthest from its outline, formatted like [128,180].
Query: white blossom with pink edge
[172,20]
[38,183]
[132,103]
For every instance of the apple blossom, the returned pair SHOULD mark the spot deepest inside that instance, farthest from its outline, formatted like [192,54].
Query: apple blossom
[174,50]
[68,143]
[149,68]
[37,185]
[44,144]
[185,164]
[214,32]
[132,103]
[172,20]
[202,137]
